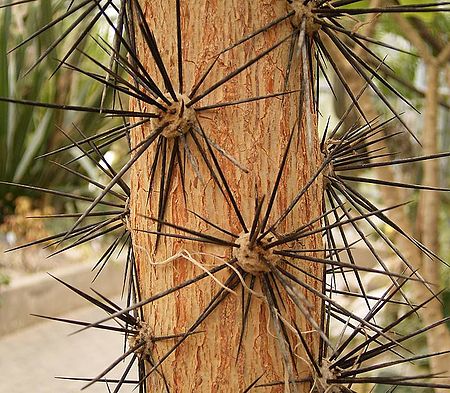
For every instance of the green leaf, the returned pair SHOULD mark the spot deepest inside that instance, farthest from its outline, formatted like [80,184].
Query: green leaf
[33,146]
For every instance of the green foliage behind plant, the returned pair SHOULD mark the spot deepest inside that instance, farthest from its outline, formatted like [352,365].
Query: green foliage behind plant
[26,132]
[4,279]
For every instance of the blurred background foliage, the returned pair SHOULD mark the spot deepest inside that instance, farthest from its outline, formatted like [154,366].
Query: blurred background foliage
[434,29]
[27,132]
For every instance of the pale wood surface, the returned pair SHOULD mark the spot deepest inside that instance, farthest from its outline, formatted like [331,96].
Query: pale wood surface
[256,135]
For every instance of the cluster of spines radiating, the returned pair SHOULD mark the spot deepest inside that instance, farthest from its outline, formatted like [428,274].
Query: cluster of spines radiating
[340,364]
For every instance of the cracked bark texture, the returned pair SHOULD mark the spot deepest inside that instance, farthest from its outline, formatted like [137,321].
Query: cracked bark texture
[256,135]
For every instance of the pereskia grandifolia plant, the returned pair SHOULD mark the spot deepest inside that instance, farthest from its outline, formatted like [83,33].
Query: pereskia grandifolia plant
[228,177]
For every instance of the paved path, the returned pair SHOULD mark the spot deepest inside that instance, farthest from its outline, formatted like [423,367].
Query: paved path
[31,358]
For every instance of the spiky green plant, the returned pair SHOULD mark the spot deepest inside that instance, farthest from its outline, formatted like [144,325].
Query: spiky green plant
[26,133]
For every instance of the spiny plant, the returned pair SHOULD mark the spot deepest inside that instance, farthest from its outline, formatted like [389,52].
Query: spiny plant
[240,188]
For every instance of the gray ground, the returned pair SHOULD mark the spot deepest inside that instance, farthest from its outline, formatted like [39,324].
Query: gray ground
[32,357]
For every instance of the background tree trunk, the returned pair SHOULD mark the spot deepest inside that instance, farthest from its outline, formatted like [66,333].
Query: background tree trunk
[427,219]
[256,135]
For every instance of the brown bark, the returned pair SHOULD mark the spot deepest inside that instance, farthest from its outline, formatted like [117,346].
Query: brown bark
[256,135]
